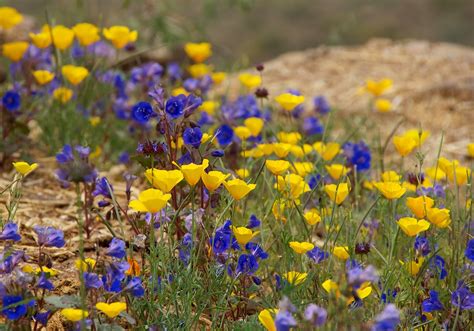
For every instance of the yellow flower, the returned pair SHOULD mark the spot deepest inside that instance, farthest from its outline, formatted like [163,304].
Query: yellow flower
[447,165]
[289,101]
[86,264]
[411,226]
[242,132]
[303,168]
[435,173]
[74,74]
[337,193]
[15,50]
[383,105]
[23,168]
[41,39]
[362,292]
[9,17]
[404,145]
[94,120]
[62,36]
[331,286]
[417,135]
[312,216]
[164,180]
[470,150]
[419,205]
[199,69]
[111,309]
[277,167]
[390,190]
[198,52]
[178,91]
[278,208]
[238,188]
[73,314]
[150,201]
[341,252]
[336,171]
[43,76]
[243,235]
[301,247]
[295,277]
[297,151]
[49,271]
[120,35]
[458,174]
[242,173]
[209,107]
[192,172]
[62,94]
[292,184]
[439,217]
[265,317]
[289,137]
[267,149]
[218,77]
[86,33]
[413,267]
[281,149]
[391,176]
[213,179]
[377,88]
[327,151]
[255,125]
[250,81]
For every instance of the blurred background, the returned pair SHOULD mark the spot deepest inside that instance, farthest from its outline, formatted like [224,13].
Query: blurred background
[251,31]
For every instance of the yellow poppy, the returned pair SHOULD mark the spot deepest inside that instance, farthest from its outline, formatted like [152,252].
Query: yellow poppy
[198,52]
[238,188]
[23,168]
[150,201]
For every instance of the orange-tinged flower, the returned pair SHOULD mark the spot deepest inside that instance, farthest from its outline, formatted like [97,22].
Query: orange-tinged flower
[218,77]
[289,101]
[62,94]
[277,167]
[15,50]
[327,151]
[295,277]
[243,235]
[337,193]
[377,88]
[255,125]
[150,201]
[120,36]
[193,172]
[73,314]
[265,317]
[164,180]
[440,217]
[238,188]
[341,252]
[134,269]
[383,105]
[41,39]
[419,205]
[213,179]
[250,81]
[74,74]
[23,168]
[111,309]
[412,227]
[312,216]
[9,17]
[336,171]
[391,190]
[198,52]
[43,77]
[86,33]
[301,247]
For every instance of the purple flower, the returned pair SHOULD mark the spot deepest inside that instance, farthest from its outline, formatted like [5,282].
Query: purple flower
[315,315]
[357,276]
[462,298]
[12,309]
[142,112]
[116,248]
[438,264]
[284,321]
[42,317]
[422,245]
[246,264]
[224,135]
[317,255]
[92,280]
[357,155]
[11,101]
[256,250]
[192,136]
[10,232]
[185,249]
[432,303]
[174,71]
[254,222]
[388,319]
[44,283]
[175,106]
[221,241]
[312,125]
[217,153]
[49,236]
[469,252]
[102,187]
[135,287]
[321,105]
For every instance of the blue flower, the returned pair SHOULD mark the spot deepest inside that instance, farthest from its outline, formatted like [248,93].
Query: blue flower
[11,101]
[254,222]
[284,321]
[49,236]
[438,264]
[192,136]
[116,248]
[321,105]
[135,287]
[312,125]
[314,180]
[217,153]
[462,298]
[10,232]
[175,106]
[315,315]
[422,245]
[102,186]
[92,280]
[246,264]
[357,155]
[256,250]
[185,249]
[42,317]
[174,71]
[66,155]
[317,255]
[44,283]
[432,303]
[142,112]
[469,252]
[224,135]
[221,241]
[388,319]
[11,307]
